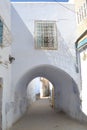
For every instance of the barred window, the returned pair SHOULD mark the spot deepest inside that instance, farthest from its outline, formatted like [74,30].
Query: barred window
[45,35]
[1,32]
[85,9]
[82,12]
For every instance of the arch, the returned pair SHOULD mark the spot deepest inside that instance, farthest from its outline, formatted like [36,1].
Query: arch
[52,73]
[65,89]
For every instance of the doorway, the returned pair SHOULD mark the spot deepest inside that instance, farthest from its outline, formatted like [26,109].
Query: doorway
[83,59]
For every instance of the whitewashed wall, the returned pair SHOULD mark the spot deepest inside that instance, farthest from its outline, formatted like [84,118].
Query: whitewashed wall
[5,70]
[5,12]
[23,18]
[33,89]
[83,60]
[58,66]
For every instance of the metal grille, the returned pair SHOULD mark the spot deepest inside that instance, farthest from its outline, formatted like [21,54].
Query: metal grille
[45,35]
[5,34]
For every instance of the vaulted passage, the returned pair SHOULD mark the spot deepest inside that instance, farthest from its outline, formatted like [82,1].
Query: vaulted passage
[66,94]
[41,116]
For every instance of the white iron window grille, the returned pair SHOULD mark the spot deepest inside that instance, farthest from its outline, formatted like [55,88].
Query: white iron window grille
[45,35]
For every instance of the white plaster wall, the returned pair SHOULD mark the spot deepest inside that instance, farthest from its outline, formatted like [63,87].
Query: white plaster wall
[27,58]
[24,100]
[23,18]
[5,11]
[84,80]
[5,69]
[5,73]
[33,89]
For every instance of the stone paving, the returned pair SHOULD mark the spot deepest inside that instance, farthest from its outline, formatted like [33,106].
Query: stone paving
[42,117]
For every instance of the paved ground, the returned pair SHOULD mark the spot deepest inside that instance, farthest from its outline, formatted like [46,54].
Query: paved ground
[42,117]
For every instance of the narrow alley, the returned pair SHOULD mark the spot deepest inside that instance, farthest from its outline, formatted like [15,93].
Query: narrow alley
[41,116]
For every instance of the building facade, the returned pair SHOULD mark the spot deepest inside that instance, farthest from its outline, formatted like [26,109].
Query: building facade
[81,47]
[5,51]
[42,46]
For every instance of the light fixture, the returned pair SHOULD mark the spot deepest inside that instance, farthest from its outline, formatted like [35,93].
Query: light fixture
[11,59]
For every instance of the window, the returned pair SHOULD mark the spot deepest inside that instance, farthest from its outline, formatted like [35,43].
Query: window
[1,32]
[45,35]
[85,10]
[82,12]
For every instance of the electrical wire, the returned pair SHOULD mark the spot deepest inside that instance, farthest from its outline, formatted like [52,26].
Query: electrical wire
[68,48]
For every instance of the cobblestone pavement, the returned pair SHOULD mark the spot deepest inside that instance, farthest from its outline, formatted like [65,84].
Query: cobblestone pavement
[42,117]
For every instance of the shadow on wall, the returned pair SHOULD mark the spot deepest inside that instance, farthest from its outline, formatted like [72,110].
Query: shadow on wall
[23,41]
[22,37]
[65,90]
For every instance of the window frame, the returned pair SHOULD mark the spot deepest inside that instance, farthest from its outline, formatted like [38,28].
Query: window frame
[53,24]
